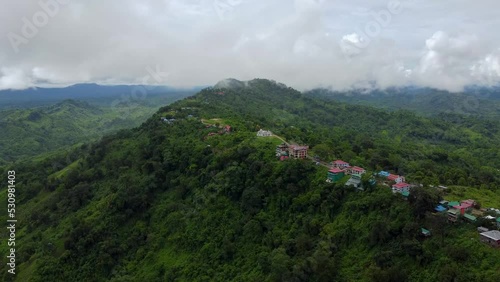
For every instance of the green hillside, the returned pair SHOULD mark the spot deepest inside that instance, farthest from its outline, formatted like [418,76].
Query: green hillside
[184,200]
[29,132]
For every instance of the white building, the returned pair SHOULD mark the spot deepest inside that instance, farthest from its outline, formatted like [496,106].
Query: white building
[264,133]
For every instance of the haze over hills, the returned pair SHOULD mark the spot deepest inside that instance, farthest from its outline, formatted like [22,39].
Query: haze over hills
[186,200]
[91,92]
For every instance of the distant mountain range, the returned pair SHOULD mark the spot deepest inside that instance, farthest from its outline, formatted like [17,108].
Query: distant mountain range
[87,92]
[476,101]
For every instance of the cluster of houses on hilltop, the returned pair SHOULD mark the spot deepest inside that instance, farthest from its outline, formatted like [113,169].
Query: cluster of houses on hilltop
[339,169]
[455,210]
[285,151]
[399,183]
[465,210]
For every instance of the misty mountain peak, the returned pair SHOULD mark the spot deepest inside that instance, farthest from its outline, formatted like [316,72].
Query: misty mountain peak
[230,83]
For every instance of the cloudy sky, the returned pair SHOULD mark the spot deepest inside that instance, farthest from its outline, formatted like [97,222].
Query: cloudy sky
[304,43]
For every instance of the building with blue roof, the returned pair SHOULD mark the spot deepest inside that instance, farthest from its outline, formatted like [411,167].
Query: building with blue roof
[384,174]
[440,208]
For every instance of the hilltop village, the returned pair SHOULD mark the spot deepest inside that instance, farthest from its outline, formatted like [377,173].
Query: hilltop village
[340,171]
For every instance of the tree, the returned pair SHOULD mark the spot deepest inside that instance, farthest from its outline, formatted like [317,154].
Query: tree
[422,200]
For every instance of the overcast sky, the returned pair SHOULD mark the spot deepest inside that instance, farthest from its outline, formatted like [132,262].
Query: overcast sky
[304,43]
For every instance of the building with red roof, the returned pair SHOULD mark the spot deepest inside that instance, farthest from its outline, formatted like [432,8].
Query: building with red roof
[401,187]
[355,170]
[340,164]
[470,202]
[464,207]
[396,178]
[335,174]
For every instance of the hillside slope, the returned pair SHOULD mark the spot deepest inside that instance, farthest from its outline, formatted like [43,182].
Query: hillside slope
[29,132]
[172,202]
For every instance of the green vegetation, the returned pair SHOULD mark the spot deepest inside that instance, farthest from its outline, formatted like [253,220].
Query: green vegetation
[165,202]
[486,198]
[29,132]
[474,102]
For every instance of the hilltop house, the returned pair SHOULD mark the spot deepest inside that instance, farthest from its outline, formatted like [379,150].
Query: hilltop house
[470,218]
[469,201]
[384,174]
[282,150]
[298,152]
[340,164]
[491,237]
[335,174]
[465,206]
[453,215]
[355,170]
[440,208]
[264,133]
[168,120]
[452,204]
[396,178]
[355,181]
[400,187]
[392,177]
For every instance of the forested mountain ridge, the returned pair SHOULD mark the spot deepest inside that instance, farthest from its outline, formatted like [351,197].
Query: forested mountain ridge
[88,92]
[474,101]
[168,202]
[30,132]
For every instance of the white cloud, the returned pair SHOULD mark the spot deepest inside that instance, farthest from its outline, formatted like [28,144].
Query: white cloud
[447,61]
[487,70]
[303,43]
[14,79]
[352,44]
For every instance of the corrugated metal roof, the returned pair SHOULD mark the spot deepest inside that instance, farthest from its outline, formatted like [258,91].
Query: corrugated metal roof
[493,234]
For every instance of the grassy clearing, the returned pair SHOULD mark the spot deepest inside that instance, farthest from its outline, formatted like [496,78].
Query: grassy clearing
[486,198]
